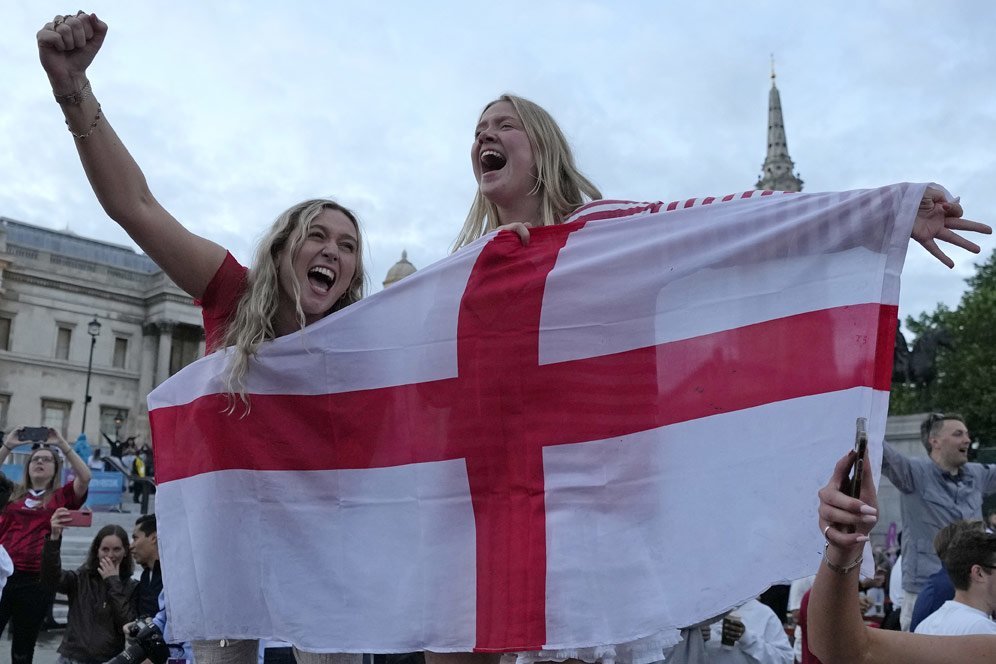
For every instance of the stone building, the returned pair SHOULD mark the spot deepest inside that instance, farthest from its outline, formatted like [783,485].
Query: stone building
[54,285]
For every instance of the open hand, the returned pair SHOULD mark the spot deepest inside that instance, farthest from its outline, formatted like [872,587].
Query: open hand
[938,219]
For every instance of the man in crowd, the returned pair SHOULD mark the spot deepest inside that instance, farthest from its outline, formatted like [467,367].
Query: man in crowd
[750,634]
[145,549]
[971,563]
[938,588]
[936,491]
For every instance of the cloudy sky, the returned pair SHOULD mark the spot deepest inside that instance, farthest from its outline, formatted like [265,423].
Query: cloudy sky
[235,110]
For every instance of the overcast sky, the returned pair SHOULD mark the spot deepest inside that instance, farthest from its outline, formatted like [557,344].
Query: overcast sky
[235,110]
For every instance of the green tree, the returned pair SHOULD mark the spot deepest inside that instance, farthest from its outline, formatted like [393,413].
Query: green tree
[966,372]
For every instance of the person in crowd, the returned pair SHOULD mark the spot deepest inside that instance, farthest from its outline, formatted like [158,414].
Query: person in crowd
[24,524]
[970,562]
[836,632]
[991,521]
[895,590]
[797,590]
[145,550]
[935,490]
[7,489]
[750,634]
[101,593]
[307,266]
[938,587]
[96,461]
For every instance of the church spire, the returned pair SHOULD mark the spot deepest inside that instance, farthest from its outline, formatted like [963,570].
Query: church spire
[776,172]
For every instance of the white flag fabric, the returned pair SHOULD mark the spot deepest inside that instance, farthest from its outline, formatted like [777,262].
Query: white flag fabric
[616,430]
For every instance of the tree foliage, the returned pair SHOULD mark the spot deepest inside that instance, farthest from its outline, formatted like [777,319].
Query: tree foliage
[966,372]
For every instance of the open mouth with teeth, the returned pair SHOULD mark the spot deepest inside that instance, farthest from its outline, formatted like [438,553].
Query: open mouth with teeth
[321,279]
[492,160]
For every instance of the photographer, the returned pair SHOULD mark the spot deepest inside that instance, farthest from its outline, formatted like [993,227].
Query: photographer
[101,592]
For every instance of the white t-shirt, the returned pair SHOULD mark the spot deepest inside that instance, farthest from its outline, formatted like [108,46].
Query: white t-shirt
[896,584]
[955,619]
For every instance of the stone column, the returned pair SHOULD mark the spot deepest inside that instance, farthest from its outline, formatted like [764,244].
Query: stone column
[165,347]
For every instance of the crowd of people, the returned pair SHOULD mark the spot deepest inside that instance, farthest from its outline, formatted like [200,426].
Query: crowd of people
[309,265]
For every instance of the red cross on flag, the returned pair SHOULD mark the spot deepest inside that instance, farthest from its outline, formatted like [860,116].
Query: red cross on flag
[613,432]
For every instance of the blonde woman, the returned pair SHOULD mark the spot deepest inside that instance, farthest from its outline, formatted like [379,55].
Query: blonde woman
[837,635]
[524,169]
[307,266]
[527,177]
[24,524]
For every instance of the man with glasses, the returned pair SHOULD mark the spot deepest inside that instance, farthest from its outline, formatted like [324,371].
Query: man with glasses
[937,490]
[970,561]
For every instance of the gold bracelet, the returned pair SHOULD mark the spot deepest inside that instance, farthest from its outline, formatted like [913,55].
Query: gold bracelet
[841,569]
[93,125]
[74,98]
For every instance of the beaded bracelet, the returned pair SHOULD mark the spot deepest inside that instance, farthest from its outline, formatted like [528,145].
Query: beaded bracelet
[93,125]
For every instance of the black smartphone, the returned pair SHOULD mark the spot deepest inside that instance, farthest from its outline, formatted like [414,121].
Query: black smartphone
[852,485]
[32,434]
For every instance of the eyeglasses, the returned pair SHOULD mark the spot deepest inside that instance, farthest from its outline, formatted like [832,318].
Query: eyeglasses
[43,459]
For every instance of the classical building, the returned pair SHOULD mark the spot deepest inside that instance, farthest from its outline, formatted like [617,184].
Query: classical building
[776,172]
[64,297]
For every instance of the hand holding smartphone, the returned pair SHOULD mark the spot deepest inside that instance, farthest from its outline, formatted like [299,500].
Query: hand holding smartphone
[79,519]
[32,434]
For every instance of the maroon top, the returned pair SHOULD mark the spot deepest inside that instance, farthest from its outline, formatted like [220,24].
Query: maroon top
[23,529]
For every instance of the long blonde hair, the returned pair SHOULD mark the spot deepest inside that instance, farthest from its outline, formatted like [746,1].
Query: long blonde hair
[561,186]
[256,312]
[21,489]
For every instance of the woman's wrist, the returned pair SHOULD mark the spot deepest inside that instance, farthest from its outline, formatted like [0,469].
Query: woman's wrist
[70,84]
[842,559]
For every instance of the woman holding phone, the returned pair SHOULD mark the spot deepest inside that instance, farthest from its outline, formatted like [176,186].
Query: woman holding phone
[837,634]
[102,598]
[25,523]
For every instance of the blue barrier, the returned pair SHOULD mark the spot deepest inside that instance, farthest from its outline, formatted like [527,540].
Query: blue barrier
[105,488]
[13,471]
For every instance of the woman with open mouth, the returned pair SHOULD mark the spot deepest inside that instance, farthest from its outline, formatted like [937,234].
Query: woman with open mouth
[308,265]
[527,178]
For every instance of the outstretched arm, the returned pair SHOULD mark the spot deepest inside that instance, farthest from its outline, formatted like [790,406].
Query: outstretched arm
[837,634]
[67,46]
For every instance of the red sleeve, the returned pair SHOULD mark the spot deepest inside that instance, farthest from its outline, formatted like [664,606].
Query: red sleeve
[66,497]
[220,299]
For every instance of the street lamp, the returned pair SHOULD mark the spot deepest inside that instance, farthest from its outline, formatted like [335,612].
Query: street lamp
[93,329]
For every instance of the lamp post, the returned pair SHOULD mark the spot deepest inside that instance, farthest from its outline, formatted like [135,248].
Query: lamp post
[93,329]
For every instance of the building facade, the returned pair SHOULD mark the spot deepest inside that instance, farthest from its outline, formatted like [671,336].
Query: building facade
[54,285]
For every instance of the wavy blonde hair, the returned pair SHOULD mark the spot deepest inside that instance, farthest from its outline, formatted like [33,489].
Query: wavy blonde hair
[256,312]
[562,187]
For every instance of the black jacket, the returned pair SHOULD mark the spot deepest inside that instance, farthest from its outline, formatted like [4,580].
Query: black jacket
[98,608]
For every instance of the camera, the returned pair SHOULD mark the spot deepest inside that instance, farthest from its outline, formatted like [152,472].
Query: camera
[149,644]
